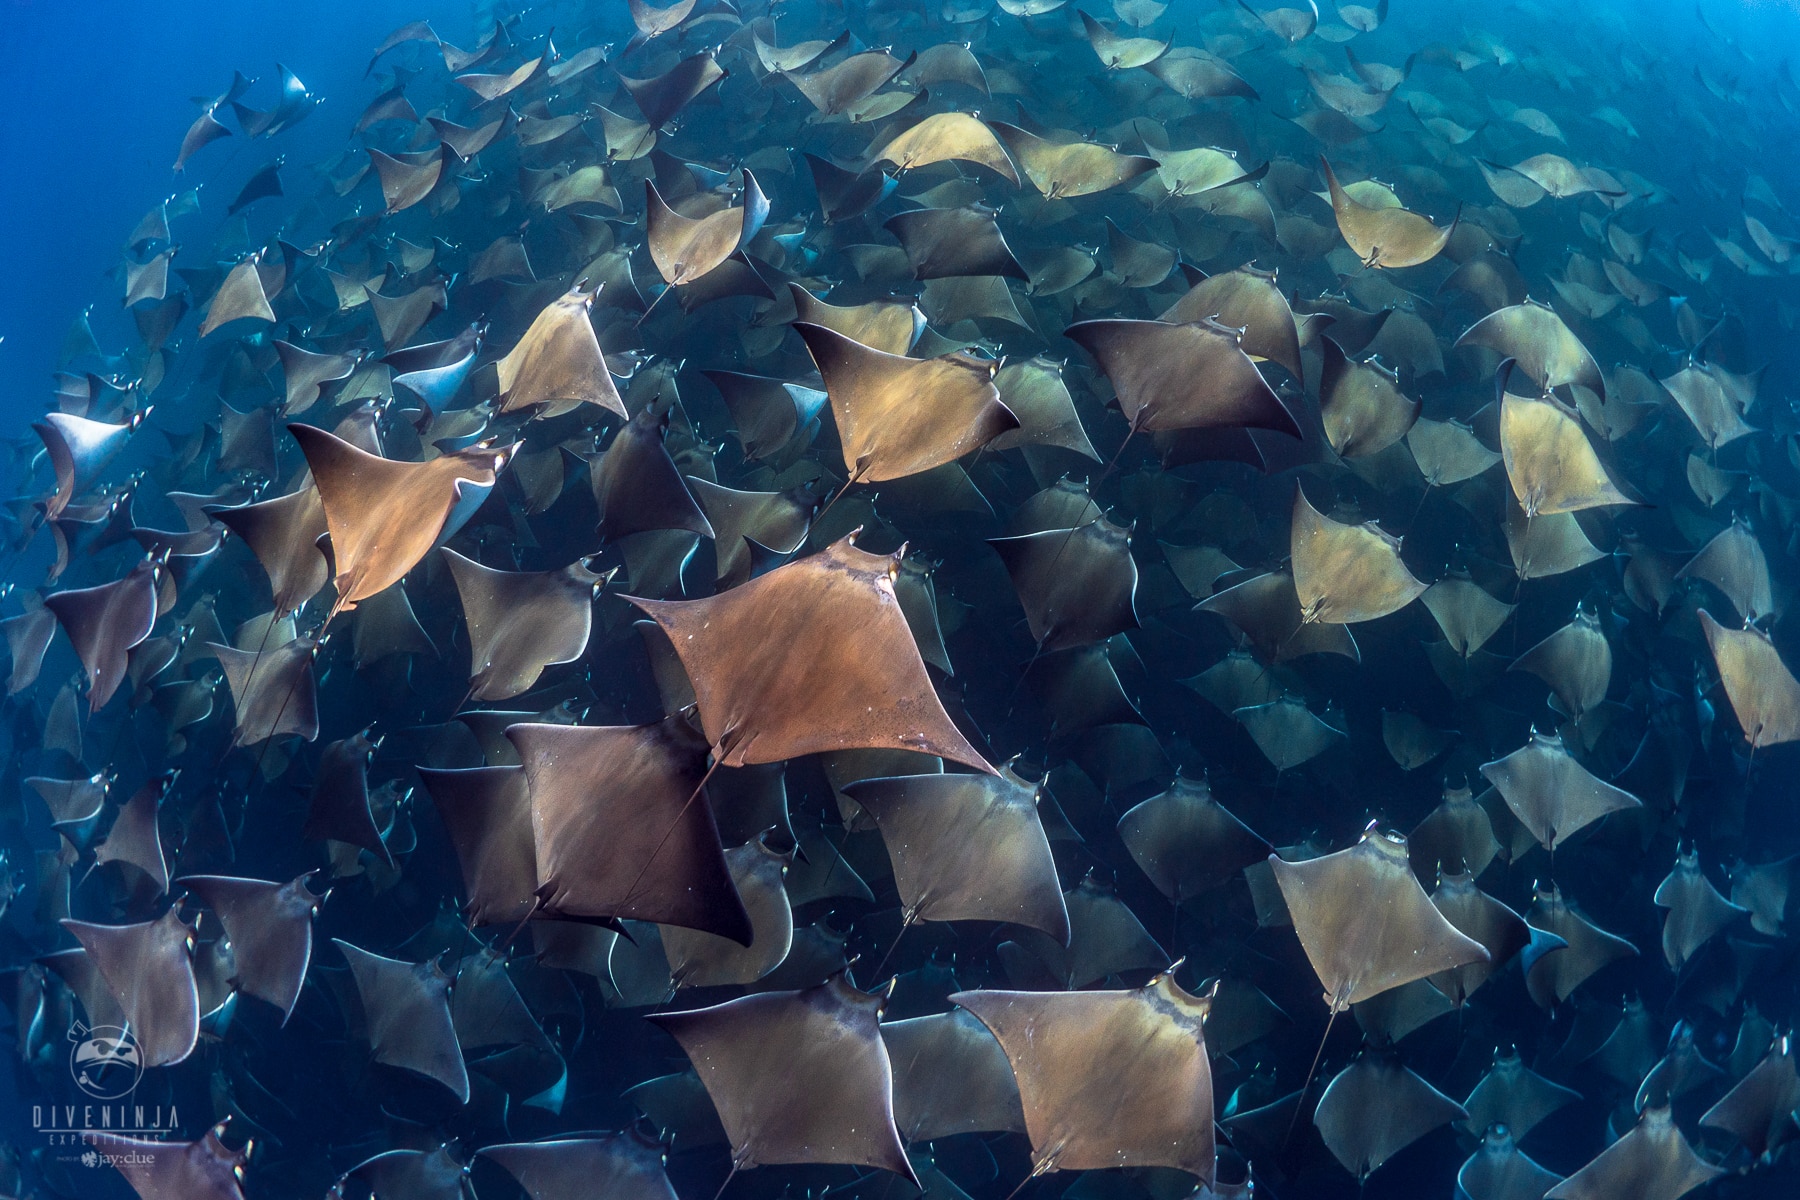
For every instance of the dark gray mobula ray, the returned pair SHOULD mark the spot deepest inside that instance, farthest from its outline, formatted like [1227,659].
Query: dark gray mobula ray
[621,828]
[270,927]
[406,1009]
[797,1077]
[149,969]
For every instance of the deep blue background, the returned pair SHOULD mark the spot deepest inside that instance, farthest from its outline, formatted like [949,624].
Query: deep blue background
[95,99]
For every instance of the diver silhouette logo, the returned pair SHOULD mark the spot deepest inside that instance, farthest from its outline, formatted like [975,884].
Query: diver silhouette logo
[105,1061]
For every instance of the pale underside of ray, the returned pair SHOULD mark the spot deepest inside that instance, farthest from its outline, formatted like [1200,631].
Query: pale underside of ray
[1550,462]
[1763,692]
[1346,573]
[1365,923]
[1550,792]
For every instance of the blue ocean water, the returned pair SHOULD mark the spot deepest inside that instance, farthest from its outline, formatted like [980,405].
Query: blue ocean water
[97,96]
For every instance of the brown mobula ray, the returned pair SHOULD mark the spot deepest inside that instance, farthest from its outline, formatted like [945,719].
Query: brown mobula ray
[966,848]
[75,805]
[951,1076]
[1118,52]
[627,1165]
[149,970]
[239,298]
[1375,1108]
[134,837]
[306,372]
[1037,395]
[1764,695]
[1549,461]
[946,137]
[1399,1012]
[78,973]
[689,248]
[1447,452]
[1063,170]
[1734,563]
[80,450]
[776,522]
[1513,1095]
[383,515]
[898,416]
[1361,403]
[521,622]
[1759,1109]
[1550,792]
[1250,300]
[1680,1071]
[433,1174]
[1108,1078]
[1533,336]
[270,928]
[1697,912]
[1196,74]
[834,89]
[653,22]
[556,367]
[637,486]
[697,958]
[1182,376]
[1498,1171]
[766,414]
[407,179]
[944,243]
[1545,545]
[1652,1162]
[1472,912]
[487,813]
[1077,585]
[275,692]
[1135,263]
[1411,742]
[1105,938]
[885,325]
[621,829]
[284,534]
[1365,923]
[660,97]
[205,130]
[1385,237]
[406,1007]
[797,1076]
[1346,573]
[204,1169]
[1186,842]
[1080,690]
[1266,609]
[797,57]
[105,622]
[27,641]
[1586,948]
[498,1031]
[339,808]
[385,624]
[1576,661]
[812,657]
